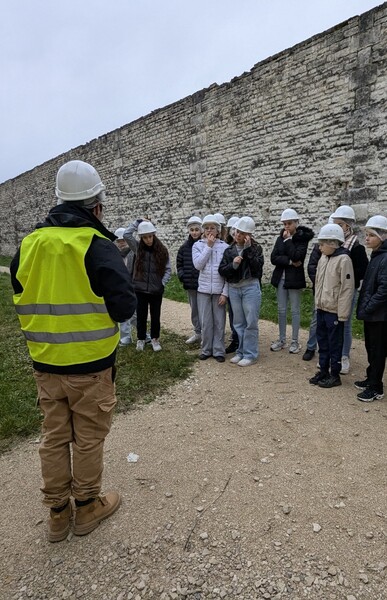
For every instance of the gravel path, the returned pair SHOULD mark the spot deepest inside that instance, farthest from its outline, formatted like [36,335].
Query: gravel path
[250,484]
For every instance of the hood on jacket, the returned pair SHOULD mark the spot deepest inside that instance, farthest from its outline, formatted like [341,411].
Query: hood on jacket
[338,251]
[68,215]
[303,233]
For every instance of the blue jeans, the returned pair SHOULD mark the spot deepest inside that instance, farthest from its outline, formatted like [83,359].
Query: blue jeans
[246,304]
[283,295]
[348,328]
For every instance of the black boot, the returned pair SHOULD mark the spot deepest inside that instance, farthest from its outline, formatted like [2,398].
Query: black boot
[232,347]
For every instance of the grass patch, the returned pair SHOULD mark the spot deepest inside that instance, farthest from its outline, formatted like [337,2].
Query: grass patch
[174,290]
[18,413]
[141,375]
[144,375]
[5,261]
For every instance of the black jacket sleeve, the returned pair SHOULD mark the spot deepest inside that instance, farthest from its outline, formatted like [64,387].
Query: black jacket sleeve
[17,287]
[360,263]
[110,279]
[180,263]
[313,262]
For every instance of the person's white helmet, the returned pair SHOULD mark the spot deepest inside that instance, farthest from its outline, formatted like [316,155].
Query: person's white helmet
[77,180]
[330,220]
[146,227]
[231,222]
[377,222]
[331,232]
[194,220]
[245,224]
[220,218]
[344,212]
[289,214]
[211,219]
[119,233]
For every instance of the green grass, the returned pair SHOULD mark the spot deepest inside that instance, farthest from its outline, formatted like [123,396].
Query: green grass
[5,261]
[141,376]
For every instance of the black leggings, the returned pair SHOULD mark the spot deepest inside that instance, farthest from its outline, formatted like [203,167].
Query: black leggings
[154,303]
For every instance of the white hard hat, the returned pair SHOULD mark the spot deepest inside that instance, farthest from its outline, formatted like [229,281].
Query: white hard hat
[344,212]
[331,232]
[377,222]
[211,219]
[220,218]
[330,220]
[77,180]
[119,233]
[194,220]
[146,227]
[231,222]
[289,214]
[245,224]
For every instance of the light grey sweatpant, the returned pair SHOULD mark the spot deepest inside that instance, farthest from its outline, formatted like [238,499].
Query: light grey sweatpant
[213,321]
[193,302]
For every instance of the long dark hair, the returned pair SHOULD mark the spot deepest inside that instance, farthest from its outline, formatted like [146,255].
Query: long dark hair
[160,254]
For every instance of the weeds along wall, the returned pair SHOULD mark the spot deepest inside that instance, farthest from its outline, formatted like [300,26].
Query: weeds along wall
[306,129]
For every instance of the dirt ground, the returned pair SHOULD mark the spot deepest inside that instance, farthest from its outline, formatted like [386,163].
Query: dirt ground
[250,483]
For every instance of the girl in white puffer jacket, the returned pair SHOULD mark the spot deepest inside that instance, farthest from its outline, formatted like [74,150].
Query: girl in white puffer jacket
[212,291]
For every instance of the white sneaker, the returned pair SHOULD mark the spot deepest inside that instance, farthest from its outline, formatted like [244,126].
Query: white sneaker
[235,359]
[140,345]
[294,347]
[156,345]
[278,345]
[246,362]
[345,365]
[196,337]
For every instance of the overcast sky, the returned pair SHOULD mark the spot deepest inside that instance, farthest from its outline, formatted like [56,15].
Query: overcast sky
[73,70]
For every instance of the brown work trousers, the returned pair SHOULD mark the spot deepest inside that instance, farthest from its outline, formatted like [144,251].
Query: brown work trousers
[78,411]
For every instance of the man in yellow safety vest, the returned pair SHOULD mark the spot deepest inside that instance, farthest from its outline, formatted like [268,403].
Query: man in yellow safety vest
[71,289]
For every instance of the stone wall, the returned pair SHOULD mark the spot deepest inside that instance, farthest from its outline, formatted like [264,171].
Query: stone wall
[305,129]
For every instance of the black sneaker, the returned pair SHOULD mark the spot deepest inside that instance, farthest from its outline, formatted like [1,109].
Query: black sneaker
[330,381]
[233,347]
[320,376]
[369,395]
[204,356]
[219,359]
[308,354]
[361,385]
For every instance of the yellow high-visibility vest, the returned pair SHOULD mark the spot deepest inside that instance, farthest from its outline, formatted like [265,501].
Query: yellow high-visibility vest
[63,320]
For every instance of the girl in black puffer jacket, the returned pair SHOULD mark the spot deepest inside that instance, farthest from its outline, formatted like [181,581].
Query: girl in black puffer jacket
[188,275]
[372,309]
[288,277]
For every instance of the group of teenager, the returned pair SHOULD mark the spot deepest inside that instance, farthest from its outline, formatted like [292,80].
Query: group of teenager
[71,288]
[220,265]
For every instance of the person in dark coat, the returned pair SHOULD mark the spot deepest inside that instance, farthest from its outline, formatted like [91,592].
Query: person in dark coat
[189,276]
[151,273]
[311,344]
[288,277]
[372,309]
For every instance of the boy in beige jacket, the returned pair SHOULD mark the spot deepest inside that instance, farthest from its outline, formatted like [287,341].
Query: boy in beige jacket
[333,297]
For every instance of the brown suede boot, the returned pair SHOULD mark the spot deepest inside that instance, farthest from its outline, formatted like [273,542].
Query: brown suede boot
[89,517]
[59,524]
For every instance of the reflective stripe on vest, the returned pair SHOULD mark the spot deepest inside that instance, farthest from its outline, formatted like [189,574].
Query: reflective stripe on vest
[60,309]
[63,320]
